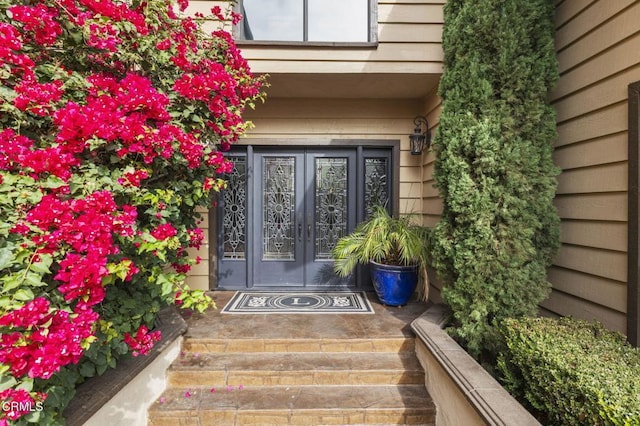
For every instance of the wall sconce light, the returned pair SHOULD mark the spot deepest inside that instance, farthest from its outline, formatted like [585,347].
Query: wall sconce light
[420,140]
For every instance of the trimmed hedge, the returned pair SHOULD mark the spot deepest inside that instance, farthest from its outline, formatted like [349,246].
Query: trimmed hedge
[571,372]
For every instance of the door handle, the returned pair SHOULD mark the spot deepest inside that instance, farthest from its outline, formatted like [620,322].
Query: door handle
[299,232]
[308,232]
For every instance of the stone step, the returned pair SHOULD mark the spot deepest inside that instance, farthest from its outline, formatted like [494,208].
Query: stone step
[249,345]
[294,368]
[294,405]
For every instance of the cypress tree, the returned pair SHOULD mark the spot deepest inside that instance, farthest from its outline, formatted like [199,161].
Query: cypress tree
[499,229]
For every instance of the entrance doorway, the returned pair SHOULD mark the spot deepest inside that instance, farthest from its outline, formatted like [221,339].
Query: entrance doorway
[285,209]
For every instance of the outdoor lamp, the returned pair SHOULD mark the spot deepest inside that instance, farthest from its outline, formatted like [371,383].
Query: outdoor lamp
[420,140]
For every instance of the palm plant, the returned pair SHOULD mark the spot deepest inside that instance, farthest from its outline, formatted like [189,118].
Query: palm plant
[386,240]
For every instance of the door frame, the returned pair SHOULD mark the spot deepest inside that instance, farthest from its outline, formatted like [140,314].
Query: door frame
[304,144]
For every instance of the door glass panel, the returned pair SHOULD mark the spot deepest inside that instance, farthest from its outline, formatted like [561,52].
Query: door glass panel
[234,219]
[278,233]
[375,184]
[330,204]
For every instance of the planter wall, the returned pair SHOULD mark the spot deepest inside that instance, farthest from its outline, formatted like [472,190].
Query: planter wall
[464,393]
[121,396]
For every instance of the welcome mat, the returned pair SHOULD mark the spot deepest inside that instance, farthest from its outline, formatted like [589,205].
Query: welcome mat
[246,302]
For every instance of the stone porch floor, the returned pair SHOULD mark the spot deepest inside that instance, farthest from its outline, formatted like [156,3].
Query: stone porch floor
[297,369]
[386,322]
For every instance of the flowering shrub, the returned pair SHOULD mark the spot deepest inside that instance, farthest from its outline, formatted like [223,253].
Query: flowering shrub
[112,118]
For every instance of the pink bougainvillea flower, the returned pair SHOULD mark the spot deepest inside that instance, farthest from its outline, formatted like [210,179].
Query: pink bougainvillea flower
[38,22]
[86,113]
[143,341]
[164,231]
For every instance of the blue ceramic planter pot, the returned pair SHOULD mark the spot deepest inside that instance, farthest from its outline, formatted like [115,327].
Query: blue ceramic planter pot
[394,285]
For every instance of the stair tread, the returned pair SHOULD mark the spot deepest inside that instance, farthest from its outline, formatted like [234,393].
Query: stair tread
[409,398]
[295,361]
[252,345]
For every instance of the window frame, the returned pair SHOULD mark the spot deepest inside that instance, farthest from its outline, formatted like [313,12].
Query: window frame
[633,244]
[238,32]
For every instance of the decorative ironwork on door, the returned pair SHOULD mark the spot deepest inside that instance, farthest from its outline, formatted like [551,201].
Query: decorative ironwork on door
[279,208]
[234,218]
[331,203]
[283,212]
[376,191]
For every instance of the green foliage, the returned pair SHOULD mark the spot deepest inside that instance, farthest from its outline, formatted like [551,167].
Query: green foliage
[113,119]
[571,372]
[499,229]
[383,239]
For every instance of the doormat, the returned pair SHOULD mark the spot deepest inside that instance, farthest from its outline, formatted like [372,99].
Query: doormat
[245,302]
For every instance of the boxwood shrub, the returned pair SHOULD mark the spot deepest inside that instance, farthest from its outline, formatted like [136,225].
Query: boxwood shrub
[571,372]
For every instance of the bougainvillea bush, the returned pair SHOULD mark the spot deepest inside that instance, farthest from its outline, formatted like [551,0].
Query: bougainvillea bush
[113,116]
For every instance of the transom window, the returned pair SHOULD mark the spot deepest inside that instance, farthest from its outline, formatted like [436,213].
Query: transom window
[306,20]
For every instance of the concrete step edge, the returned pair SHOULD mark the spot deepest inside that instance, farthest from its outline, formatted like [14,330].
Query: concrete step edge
[219,345]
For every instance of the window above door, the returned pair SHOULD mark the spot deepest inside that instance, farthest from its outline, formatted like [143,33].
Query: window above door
[308,21]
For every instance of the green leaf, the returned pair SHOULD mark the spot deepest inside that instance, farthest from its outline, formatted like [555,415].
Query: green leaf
[87,370]
[34,280]
[165,284]
[6,257]
[43,264]
[101,368]
[10,282]
[6,381]
[23,294]
[53,182]
[27,384]
[34,415]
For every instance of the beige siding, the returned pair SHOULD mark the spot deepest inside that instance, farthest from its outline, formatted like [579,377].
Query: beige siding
[313,121]
[310,121]
[409,42]
[431,202]
[198,278]
[597,43]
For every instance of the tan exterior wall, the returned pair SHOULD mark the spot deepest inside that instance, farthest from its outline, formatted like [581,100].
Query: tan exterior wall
[409,41]
[370,92]
[198,278]
[598,44]
[312,121]
[309,120]
[431,201]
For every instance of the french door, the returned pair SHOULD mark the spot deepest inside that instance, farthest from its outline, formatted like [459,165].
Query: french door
[284,211]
